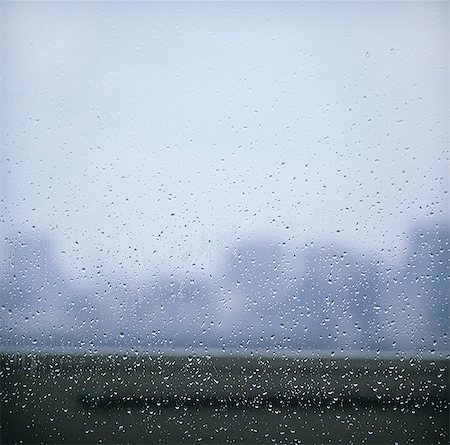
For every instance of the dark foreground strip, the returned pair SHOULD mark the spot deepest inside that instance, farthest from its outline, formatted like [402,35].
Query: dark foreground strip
[115,401]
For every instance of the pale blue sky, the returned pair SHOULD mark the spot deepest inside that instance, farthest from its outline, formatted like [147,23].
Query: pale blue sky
[176,128]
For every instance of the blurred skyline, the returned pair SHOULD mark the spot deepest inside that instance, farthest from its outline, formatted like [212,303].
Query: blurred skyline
[325,297]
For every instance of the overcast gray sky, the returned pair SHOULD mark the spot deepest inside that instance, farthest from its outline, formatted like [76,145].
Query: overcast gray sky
[147,137]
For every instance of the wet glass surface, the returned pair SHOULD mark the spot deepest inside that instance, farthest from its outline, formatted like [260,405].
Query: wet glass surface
[234,183]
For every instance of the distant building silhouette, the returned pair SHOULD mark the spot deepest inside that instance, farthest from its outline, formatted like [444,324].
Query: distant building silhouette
[321,297]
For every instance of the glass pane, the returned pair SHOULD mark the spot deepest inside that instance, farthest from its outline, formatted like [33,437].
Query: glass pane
[224,222]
